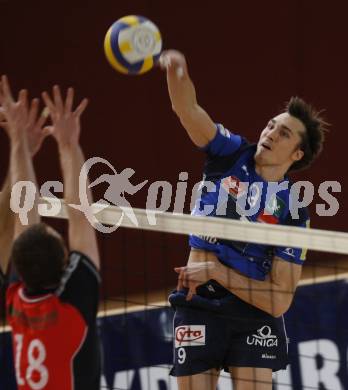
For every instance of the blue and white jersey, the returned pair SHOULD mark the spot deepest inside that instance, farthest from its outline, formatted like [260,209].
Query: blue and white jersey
[231,188]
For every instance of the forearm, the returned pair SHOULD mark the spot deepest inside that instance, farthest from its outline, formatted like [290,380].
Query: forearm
[6,224]
[66,131]
[181,92]
[5,196]
[265,295]
[22,170]
[199,126]
[72,161]
[82,236]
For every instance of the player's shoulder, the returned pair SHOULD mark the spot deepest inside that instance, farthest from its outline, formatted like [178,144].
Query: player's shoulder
[80,285]
[224,132]
[79,268]
[12,291]
[226,150]
[77,257]
[224,142]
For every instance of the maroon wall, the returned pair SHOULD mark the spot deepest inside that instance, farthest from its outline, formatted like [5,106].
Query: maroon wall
[246,59]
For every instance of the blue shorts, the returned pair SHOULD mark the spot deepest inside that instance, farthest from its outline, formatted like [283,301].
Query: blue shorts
[226,332]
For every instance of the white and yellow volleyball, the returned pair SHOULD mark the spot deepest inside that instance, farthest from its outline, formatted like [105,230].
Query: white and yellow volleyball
[133,45]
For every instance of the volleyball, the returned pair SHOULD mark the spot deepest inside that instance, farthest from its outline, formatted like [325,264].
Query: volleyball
[133,45]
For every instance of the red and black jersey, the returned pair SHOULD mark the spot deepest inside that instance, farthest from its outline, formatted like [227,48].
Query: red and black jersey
[2,279]
[54,333]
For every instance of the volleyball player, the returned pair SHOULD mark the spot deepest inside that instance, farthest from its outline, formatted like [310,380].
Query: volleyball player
[52,308]
[231,295]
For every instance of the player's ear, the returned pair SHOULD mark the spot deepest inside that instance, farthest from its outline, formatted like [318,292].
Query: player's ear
[298,154]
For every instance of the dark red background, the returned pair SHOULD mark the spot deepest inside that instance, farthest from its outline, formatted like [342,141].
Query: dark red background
[246,59]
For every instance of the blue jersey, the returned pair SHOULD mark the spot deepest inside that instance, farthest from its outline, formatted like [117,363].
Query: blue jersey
[231,188]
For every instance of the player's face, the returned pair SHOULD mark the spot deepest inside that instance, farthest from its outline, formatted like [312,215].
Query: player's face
[279,143]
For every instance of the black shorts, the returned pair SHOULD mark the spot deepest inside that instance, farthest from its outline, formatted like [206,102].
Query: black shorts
[222,333]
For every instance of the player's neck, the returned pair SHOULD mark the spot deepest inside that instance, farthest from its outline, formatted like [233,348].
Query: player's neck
[271,172]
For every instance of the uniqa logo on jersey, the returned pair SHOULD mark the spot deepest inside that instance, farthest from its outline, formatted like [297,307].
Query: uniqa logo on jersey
[263,338]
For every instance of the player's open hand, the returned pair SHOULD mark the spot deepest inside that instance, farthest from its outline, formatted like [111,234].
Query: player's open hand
[14,113]
[19,119]
[195,274]
[65,122]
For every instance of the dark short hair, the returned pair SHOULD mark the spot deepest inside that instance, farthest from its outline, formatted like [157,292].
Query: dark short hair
[313,137]
[38,257]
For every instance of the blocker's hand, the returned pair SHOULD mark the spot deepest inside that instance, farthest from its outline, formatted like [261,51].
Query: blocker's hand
[65,122]
[14,113]
[18,119]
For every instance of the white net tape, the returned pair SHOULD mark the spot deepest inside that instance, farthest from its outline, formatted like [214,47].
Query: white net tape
[262,233]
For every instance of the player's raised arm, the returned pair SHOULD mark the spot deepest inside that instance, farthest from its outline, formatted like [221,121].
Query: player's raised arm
[20,121]
[6,224]
[26,134]
[6,215]
[66,131]
[198,124]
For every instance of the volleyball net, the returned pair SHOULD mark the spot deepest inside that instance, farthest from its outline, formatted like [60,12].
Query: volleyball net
[166,222]
[148,251]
